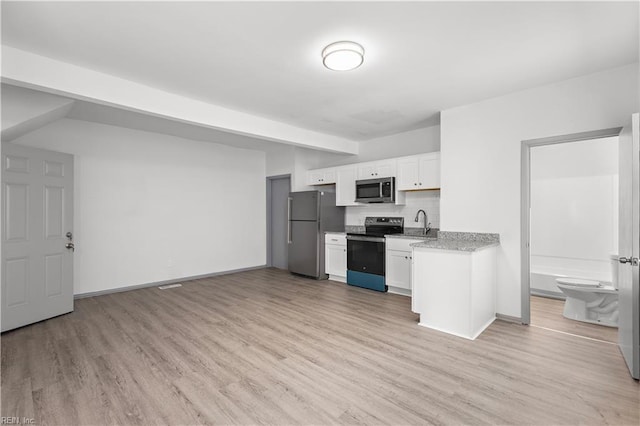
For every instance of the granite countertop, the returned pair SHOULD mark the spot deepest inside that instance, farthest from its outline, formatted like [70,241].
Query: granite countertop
[416,234]
[460,241]
[354,229]
[336,232]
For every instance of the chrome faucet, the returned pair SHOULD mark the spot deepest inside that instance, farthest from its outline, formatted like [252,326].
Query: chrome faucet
[427,228]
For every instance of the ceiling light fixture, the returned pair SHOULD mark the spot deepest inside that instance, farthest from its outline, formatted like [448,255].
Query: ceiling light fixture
[343,56]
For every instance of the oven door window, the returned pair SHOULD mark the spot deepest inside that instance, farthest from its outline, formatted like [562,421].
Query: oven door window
[368,190]
[365,256]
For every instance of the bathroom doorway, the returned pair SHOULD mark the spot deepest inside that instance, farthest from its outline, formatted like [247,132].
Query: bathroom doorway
[573,235]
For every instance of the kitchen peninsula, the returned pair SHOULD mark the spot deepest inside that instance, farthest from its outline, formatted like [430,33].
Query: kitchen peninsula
[454,280]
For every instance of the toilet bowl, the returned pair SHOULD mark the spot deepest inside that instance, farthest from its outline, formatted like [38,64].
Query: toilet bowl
[589,301]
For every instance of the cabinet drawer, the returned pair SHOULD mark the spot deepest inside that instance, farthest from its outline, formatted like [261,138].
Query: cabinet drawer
[401,244]
[335,239]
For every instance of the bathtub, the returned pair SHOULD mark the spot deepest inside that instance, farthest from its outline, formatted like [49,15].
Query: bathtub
[545,269]
[544,284]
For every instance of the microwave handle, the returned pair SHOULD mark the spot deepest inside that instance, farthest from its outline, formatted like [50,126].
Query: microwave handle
[380,190]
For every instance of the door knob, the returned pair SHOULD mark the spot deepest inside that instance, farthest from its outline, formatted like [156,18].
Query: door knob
[69,235]
[631,260]
[70,246]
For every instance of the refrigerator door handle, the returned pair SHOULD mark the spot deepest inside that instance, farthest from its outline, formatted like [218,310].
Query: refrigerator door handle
[289,220]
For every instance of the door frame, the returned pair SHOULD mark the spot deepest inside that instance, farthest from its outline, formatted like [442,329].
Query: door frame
[525,204]
[269,182]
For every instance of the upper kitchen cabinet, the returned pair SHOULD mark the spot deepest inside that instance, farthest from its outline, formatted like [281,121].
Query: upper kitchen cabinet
[346,185]
[321,176]
[419,172]
[377,169]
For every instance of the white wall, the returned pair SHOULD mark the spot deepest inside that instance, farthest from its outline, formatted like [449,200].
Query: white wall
[428,201]
[294,161]
[297,161]
[480,146]
[151,207]
[280,161]
[417,141]
[574,209]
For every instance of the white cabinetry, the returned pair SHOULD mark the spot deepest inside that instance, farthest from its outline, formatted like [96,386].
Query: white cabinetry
[454,291]
[321,176]
[419,172]
[398,264]
[335,256]
[346,186]
[377,169]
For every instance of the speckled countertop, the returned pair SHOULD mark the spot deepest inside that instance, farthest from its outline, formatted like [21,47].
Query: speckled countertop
[416,234]
[354,229]
[409,233]
[460,241]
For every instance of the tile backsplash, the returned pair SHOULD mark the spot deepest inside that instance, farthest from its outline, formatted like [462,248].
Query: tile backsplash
[428,201]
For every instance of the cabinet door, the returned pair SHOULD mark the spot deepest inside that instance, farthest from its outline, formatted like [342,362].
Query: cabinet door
[386,168]
[336,260]
[398,272]
[329,176]
[367,171]
[408,174]
[346,186]
[315,177]
[429,172]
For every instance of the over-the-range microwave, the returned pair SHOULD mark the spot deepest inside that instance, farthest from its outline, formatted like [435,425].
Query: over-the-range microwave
[379,190]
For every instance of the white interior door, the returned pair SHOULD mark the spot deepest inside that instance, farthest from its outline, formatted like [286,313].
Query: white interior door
[629,247]
[37,215]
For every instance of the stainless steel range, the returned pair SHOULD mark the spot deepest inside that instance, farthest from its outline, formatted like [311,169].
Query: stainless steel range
[366,252]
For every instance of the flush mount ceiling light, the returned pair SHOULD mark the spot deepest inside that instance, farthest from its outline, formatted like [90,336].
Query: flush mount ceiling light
[343,56]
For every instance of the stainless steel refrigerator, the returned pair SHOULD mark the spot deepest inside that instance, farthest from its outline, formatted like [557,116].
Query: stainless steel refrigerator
[311,214]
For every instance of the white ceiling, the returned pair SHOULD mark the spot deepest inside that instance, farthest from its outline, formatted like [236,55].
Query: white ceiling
[264,58]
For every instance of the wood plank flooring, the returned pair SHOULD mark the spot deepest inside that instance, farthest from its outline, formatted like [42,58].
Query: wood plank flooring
[547,312]
[266,347]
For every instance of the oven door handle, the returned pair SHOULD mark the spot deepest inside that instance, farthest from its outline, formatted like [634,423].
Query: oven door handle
[369,239]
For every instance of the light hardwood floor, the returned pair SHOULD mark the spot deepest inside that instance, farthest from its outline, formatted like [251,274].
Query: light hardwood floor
[546,312]
[266,347]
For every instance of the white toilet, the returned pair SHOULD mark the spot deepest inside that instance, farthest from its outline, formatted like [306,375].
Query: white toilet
[591,301]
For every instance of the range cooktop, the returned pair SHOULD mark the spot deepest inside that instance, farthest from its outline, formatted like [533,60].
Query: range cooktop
[379,226]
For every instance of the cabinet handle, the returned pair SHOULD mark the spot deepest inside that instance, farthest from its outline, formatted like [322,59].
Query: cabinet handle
[420,183]
[415,183]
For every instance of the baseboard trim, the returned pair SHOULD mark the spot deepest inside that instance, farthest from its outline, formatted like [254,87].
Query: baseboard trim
[509,318]
[158,283]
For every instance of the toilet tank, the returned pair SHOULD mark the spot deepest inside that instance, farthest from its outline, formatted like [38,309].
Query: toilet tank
[614,270]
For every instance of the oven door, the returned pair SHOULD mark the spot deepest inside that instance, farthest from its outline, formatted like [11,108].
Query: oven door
[365,254]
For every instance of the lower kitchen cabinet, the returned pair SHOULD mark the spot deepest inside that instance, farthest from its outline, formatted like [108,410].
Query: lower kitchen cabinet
[335,256]
[454,291]
[398,265]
